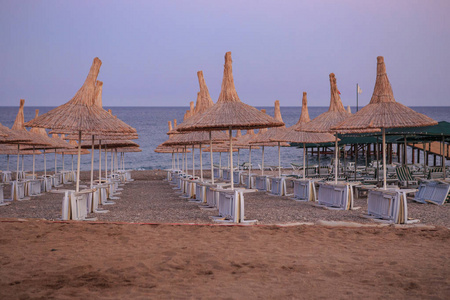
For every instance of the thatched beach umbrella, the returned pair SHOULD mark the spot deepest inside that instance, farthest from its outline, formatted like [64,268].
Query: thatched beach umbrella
[266,138]
[294,134]
[42,134]
[81,115]
[335,114]
[383,112]
[41,140]
[229,112]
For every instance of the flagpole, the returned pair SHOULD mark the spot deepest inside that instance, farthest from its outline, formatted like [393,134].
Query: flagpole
[357,92]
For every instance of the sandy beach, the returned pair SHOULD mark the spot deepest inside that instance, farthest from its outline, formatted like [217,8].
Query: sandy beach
[122,255]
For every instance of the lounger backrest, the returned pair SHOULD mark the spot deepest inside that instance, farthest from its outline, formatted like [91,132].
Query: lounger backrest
[404,174]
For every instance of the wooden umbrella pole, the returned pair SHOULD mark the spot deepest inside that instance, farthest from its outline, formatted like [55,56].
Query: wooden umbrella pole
[384,158]
[231,158]
[45,165]
[443,157]
[116,161]
[106,163]
[22,164]
[92,162]
[405,155]
[279,160]
[112,161]
[34,160]
[185,160]
[56,168]
[99,161]
[356,158]
[172,160]
[336,158]
[78,162]
[201,163]
[193,163]
[211,158]
[262,162]
[250,166]
[7,162]
[72,162]
[238,158]
[62,157]
[304,161]
[18,161]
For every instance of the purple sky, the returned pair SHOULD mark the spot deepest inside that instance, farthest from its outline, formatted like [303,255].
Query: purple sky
[152,50]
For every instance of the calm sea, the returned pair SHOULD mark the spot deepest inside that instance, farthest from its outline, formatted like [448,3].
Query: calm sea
[151,125]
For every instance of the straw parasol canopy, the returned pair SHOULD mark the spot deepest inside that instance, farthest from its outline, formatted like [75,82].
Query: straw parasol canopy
[109,144]
[195,138]
[12,150]
[383,111]
[127,149]
[72,151]
[80,113]
[204,100]
[335,114]
[10,136]
[264,138]
[229,111]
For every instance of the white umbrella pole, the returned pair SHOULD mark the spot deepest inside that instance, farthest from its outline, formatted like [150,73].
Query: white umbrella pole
[62,156]
[18,161]
[99,161]
[336,162]
[92,162]
[211,157]
[72,162]
[78,162]
[172,160]
[262,162]
[185,160]
[34,160]
[304,161]
[201,163]
[56,168]
[23,163]
[384,158]
[220,160]
[193,162]
[231,159]
[279,160]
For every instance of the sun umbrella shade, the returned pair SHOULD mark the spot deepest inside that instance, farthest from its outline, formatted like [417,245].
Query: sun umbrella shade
[195,138]
[229,111]
[80,113]
[109,144]
[10,136]
[383,111]
[335,114]
[12,150]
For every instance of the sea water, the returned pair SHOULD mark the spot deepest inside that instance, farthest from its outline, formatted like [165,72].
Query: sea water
[151,125]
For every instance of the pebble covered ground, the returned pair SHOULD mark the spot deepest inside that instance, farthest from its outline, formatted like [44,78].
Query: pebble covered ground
[150,199]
